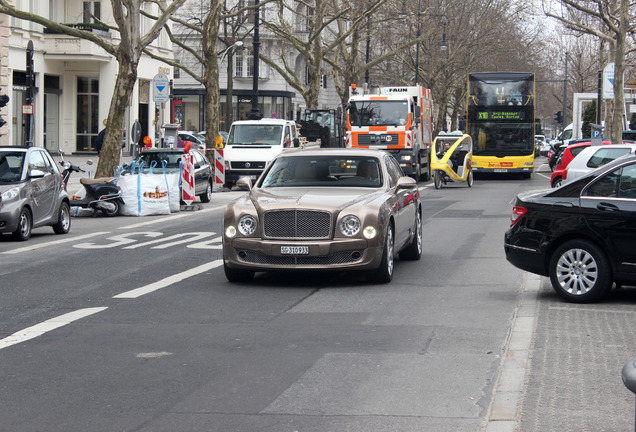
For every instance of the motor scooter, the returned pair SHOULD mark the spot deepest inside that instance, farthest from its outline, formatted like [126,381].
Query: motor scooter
[100,193]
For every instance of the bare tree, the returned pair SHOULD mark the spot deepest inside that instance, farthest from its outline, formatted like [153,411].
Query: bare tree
[128,51]
[611,22]
[199,35]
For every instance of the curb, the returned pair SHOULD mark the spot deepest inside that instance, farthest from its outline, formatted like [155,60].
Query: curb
[505,408]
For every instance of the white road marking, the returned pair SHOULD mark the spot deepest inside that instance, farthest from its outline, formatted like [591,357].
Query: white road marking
[47,326]
[209,244]
[138,292]
[189,237]
[170,218]
[54,242]
[118,240]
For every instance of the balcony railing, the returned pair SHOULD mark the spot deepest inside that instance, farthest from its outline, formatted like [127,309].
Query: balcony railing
[97,28]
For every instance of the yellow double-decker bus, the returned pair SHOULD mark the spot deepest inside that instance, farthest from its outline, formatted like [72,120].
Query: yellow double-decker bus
[500,119]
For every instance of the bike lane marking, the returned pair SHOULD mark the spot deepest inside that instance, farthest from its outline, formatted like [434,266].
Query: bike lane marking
[138,292]
[47,326]
[54,242]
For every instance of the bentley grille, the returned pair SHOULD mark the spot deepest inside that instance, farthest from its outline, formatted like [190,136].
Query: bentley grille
[342,257]
[297,224]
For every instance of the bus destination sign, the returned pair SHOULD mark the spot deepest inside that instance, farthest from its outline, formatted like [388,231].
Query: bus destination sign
[500,115]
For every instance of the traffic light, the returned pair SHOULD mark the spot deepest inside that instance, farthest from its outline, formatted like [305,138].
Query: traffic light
[4,100]
[557,117]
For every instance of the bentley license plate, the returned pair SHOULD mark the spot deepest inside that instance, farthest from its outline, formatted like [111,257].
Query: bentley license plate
[294,250]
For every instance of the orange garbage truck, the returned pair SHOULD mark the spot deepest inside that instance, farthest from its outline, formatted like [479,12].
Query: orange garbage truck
[396,119]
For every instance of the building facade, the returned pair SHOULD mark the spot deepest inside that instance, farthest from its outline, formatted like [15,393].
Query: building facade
[74,79]
[276,97]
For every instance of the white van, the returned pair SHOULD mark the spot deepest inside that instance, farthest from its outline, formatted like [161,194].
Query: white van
[251,144]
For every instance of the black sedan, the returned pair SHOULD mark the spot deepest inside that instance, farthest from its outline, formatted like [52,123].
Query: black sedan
[581,235]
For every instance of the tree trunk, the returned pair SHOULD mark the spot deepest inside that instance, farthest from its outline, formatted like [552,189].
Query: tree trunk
[111,149]
[619,70]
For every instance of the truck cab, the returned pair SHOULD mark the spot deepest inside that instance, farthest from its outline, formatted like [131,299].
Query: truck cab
[251,144]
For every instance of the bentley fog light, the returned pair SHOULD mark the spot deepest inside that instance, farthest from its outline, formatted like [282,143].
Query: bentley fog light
[230,231]
[369,232]
[247,225]
[350,225]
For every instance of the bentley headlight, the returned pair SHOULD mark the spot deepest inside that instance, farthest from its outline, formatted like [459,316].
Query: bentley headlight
[350,225]
[247,225]
[10,194]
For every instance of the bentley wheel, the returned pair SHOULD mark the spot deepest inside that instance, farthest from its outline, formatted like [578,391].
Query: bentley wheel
[235,275]
[413,251]
[580,272]
[384,273]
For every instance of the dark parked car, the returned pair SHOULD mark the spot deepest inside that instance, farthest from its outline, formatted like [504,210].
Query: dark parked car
[581,235]
[327,209]
[203,173]
[31,192]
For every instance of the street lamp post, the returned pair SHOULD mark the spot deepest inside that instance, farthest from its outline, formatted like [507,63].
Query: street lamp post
[254,114]
[236,44]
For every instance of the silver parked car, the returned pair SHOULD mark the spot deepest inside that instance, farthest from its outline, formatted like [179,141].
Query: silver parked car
[327,209]
[31,192]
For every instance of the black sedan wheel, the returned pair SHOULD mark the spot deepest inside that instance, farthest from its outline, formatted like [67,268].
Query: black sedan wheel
[580,272]
[24,226]
[207,195]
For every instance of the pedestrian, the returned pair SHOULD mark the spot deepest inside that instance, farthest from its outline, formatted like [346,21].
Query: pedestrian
[99,141]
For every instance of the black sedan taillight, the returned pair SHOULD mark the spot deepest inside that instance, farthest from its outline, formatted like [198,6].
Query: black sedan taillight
[517,213]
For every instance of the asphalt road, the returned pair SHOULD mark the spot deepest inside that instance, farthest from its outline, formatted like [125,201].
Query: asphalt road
[129,324]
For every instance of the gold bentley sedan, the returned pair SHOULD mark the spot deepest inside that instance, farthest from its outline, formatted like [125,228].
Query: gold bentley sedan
[324,209]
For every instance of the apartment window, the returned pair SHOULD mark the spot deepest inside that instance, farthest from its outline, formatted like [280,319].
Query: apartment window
[177,70]
[238,64]
[92,9]
[87,113]
[250,66]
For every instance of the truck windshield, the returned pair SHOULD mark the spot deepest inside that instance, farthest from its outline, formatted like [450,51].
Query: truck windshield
[378,113]
[256,135]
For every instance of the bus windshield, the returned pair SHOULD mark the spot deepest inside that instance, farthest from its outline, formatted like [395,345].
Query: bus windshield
[379,113]
[500,113]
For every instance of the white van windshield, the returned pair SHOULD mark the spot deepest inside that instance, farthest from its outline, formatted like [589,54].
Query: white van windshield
[256,135]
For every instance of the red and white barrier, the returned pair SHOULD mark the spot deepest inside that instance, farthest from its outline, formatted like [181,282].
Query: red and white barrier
[219,166]
[187,178]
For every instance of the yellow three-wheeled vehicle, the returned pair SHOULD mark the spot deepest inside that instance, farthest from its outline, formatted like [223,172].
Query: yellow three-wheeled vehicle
[451,159]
